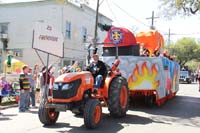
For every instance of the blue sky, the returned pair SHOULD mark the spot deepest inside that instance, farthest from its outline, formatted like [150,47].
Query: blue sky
[132,14]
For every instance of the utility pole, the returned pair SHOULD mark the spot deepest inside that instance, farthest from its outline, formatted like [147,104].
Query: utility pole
[152,20]
[94,43]
[169,35]
[96,26]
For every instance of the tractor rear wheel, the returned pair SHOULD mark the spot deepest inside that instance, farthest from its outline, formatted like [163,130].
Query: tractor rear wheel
[118,97]
[92,113]
[47,116]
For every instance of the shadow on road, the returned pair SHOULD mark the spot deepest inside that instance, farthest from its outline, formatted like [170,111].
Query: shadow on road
[184,110]
[108,124]
[4,117]
[176,110]
[180,106]
[34,111]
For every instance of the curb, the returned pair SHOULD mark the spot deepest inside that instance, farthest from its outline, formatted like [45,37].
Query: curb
[8,106]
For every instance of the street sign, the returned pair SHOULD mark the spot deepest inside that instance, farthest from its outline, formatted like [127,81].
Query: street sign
[48,39]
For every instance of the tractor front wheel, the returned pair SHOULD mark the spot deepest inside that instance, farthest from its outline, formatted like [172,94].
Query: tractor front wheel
[118,98]
[92,113]
[47,116]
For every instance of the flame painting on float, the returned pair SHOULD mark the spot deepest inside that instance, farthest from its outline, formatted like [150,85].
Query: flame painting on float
[144,79]
[145,75]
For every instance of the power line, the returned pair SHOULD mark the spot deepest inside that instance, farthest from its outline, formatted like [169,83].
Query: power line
[128,14]
[182,34]
[101,2]
[112,12]
[131,16]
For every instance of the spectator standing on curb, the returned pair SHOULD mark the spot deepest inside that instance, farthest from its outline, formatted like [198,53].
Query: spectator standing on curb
[75,67]
[50,79]
[0,94]
[41,80]
[4,85]
[196,77]
[45,79]
[24,89]
[32,87]
[37,82]
[199,80]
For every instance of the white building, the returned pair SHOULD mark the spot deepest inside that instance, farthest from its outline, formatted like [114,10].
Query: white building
[77,23]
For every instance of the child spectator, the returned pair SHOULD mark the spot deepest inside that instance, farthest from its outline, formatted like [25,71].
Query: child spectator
[24,89]
[32,87]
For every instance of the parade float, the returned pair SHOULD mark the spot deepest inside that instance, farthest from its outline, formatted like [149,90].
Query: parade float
[154,76]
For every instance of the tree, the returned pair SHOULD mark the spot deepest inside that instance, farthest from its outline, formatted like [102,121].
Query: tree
[177,7]
[184,50]
[193,65]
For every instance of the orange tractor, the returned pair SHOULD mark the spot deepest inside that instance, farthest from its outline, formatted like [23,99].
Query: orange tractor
[75,92]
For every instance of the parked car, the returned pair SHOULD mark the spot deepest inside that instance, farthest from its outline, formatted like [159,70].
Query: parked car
[185,77]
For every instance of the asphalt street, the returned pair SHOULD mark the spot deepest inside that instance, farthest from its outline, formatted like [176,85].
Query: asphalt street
[178,115]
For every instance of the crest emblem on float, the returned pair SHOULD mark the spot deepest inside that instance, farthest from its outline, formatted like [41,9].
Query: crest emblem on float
[116,36]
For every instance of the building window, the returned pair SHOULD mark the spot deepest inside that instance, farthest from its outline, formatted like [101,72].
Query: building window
[67,62]
[68,30]
[4,28]
[18,52]
[84,34]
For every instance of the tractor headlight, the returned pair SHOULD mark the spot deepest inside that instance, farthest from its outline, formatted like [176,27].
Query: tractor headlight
[55,86]
[67,86]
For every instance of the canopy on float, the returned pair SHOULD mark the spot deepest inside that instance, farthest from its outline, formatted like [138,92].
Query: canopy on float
[151,40]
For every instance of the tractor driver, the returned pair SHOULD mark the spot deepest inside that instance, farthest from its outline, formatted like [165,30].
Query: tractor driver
[98,70]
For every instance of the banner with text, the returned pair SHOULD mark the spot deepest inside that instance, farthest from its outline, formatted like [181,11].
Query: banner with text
[48,39]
